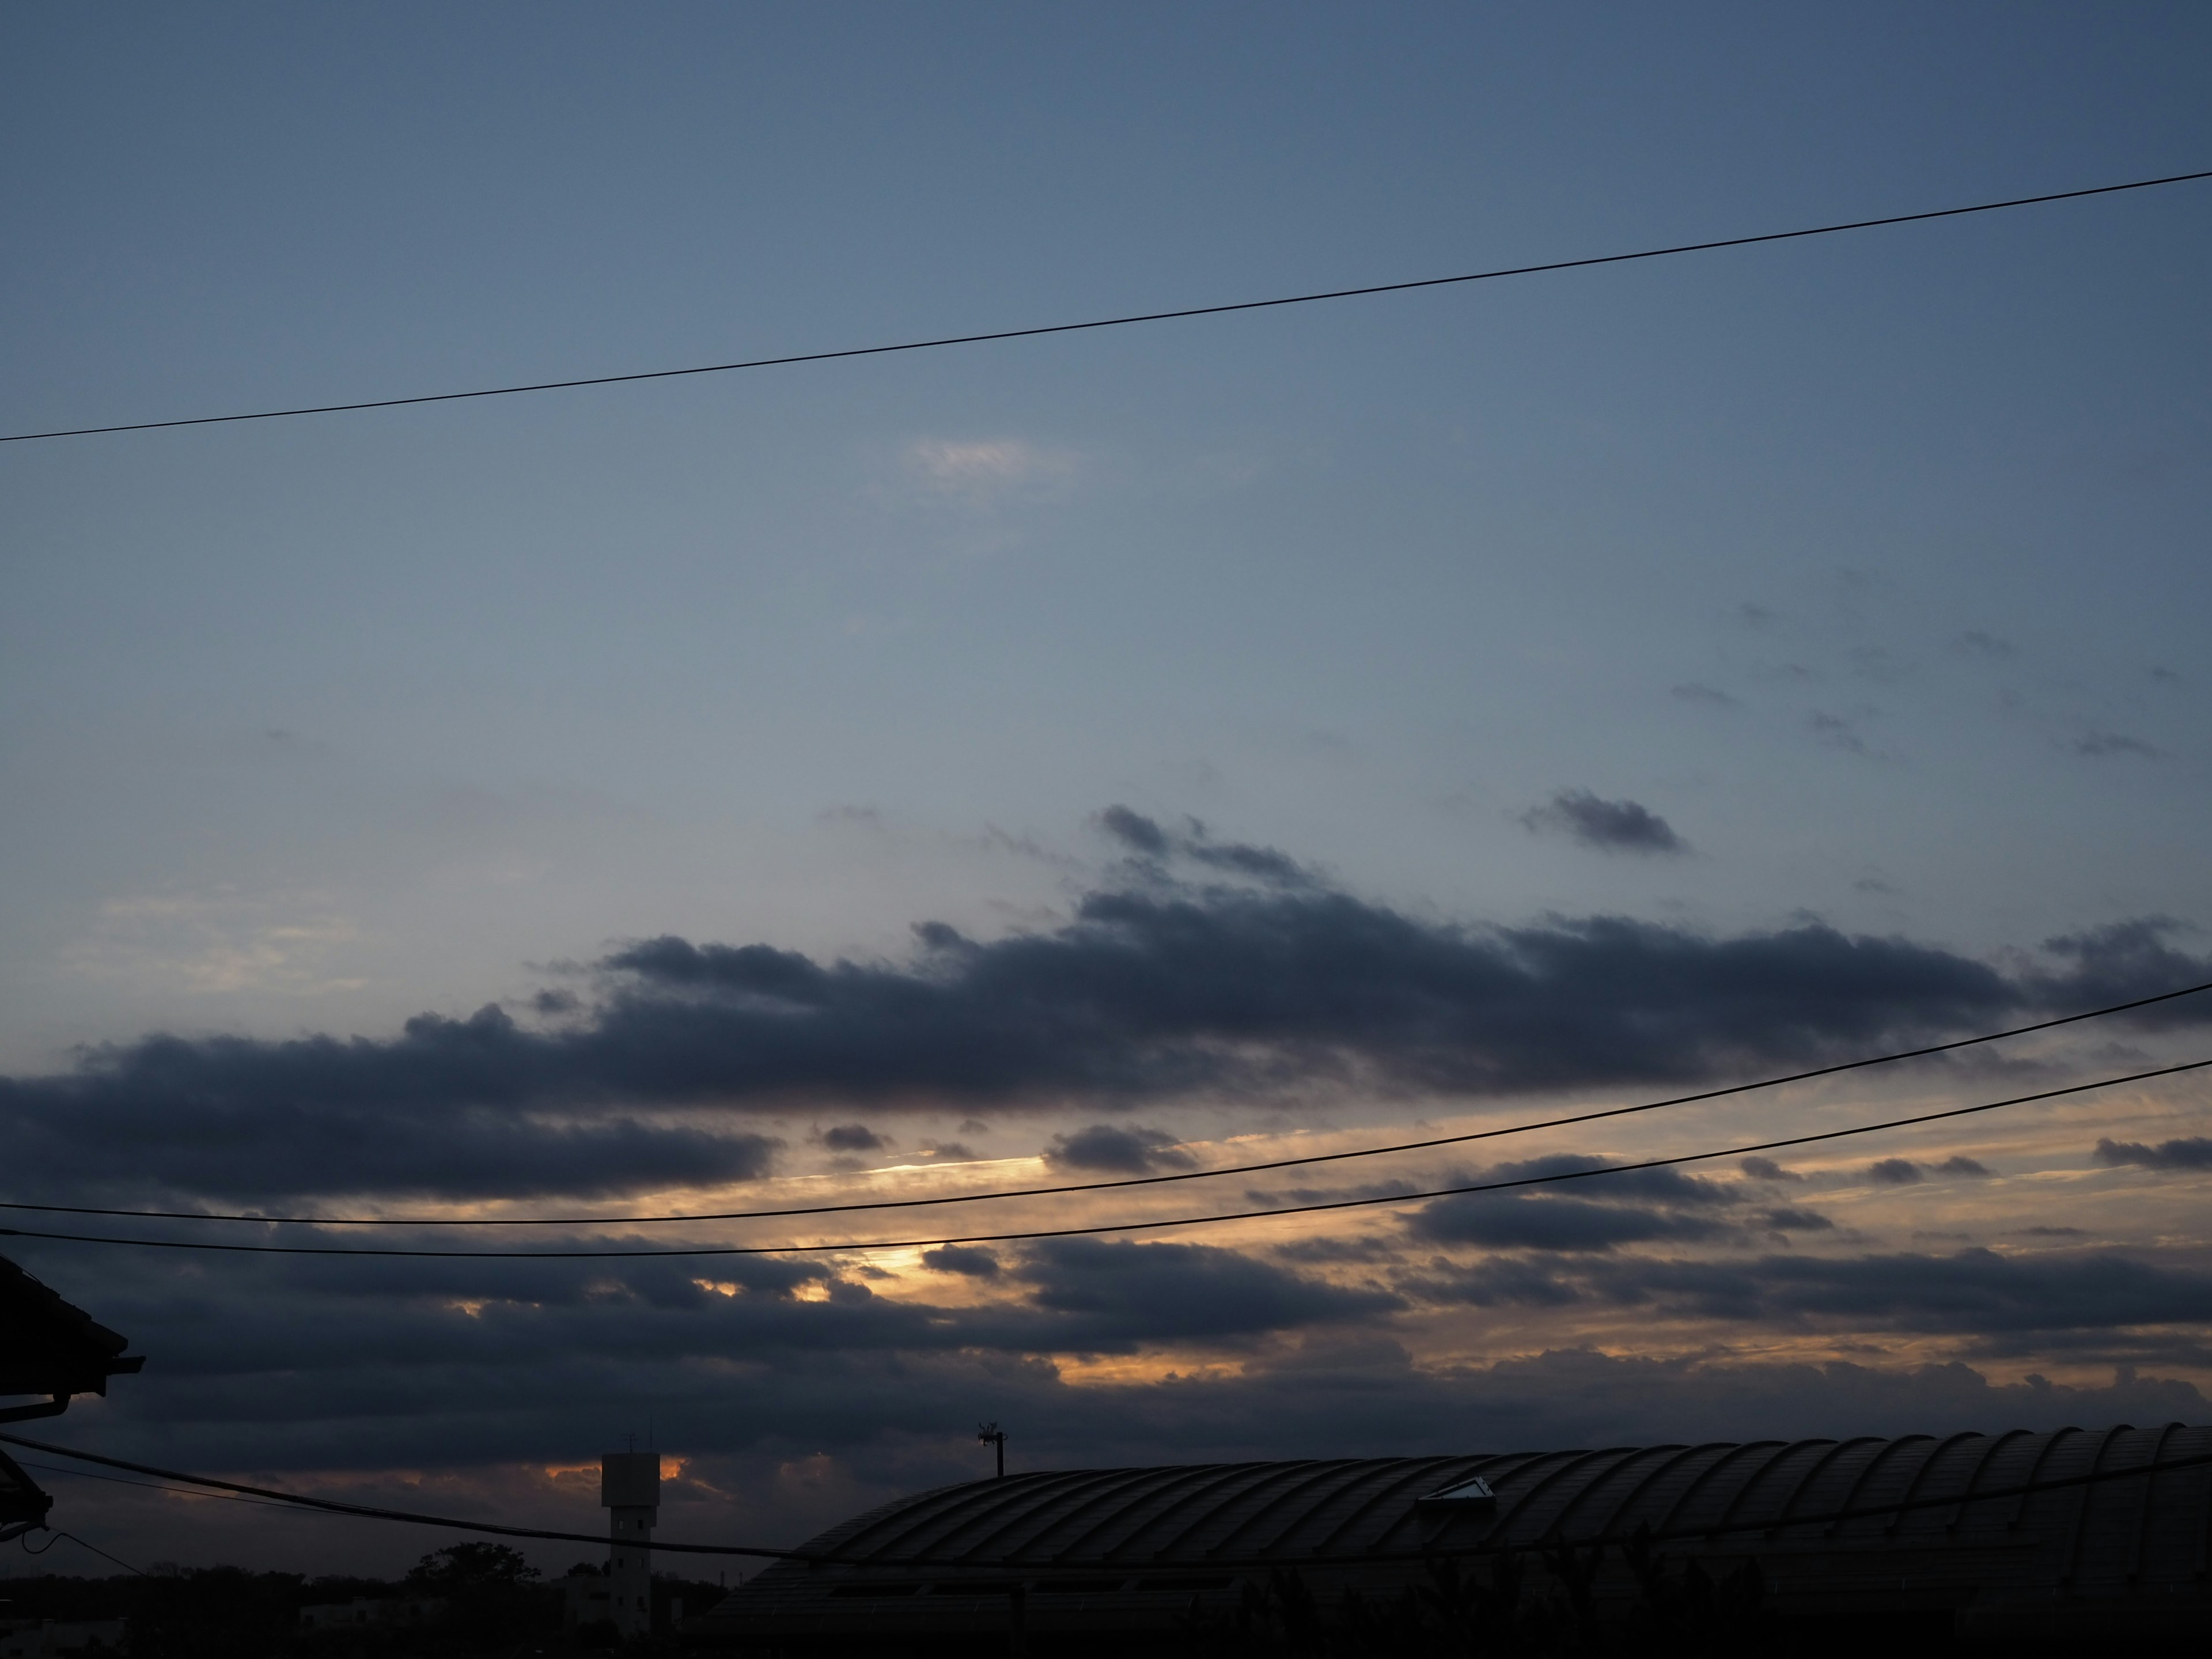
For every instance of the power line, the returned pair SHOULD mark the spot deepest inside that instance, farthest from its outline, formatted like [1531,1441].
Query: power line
[80,1544]
[1116,322]
[365,1511]
[1830,1518]
[147,1485]
[1126,1180]
[855,1245]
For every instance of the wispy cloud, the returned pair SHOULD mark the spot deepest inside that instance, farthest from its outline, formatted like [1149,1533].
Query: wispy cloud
[2098,744]
[218,944]
[985,472]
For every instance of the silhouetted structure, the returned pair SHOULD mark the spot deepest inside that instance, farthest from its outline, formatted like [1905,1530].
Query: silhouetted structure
[50,1347]
[1919,1536]
[629,1486]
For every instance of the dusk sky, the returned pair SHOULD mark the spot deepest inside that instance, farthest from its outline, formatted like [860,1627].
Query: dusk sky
[1206,743]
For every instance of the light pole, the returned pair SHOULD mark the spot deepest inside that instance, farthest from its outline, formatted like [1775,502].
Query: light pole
[992,1435]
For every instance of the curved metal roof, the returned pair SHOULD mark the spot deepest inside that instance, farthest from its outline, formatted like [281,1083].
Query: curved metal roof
[1106,1532]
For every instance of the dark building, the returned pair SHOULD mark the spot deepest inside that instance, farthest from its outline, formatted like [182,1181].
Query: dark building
[47,1347]
[2012,1538]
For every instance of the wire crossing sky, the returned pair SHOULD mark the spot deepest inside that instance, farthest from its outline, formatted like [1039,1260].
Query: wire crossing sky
[1063,1189]
[1395,1200]
[1121,322]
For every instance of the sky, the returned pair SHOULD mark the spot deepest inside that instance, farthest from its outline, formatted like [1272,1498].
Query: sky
[1133,752]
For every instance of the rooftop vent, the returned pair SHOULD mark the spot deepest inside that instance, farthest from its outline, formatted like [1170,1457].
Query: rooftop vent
[1476,1493]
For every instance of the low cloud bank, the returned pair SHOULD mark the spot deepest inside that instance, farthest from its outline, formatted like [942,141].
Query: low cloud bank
[1204,969]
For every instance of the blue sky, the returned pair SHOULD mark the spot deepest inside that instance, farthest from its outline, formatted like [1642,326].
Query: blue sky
[1872,567]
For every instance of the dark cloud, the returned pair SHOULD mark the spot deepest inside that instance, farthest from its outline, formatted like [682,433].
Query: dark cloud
[1998,1303]
[1903,1172]
[1116,1294]
[1766,1169]
[1105,1149]
[800,1398]
[1694,691]
[1135,831]
[2192,1153]
[2099,743]
[1975,1293]
[1193,844]
[1635,1206]
[852,1138]
[1519,1221]
[776,1454]
[1987,644]
[1611,826]
[969,1260]
[2122,961]
[1258,989]
[1794,1221]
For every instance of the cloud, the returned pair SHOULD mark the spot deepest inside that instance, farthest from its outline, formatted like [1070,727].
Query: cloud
[1194,845]
[1136,831]
[1766,1169]
[852,1138]
[1106,1149]
[1611,826]
[982,473]
[1115,1294]
[1242,985]
[2122,961]
[1998,1303]
[969,1260]
[1634,1208]
[1974,1292]
[1697,692]
[1794,1221]
[2099,743]
[219,944]
[1987,644]
[1519,1221]
[1903,1172]
[2193,1153]
[437,1373]
[1962,1165]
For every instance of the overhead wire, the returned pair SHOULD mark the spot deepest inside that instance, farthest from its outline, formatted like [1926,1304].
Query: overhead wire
[861,1246]
[1061,1189]
[1117,322]
[57,1535]
[147,1485]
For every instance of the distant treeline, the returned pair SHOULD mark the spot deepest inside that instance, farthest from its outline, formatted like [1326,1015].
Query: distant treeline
[491,1602]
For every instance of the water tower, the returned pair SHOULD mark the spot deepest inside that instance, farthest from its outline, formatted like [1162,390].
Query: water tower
[629,1488]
